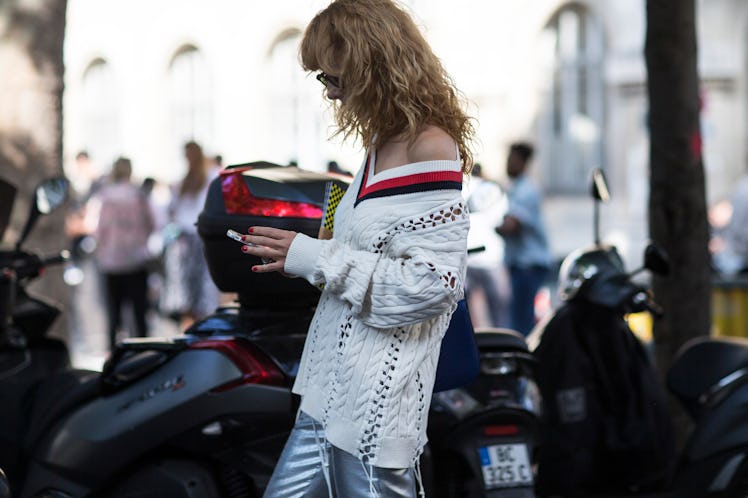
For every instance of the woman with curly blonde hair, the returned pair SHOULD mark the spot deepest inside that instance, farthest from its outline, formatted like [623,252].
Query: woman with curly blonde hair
[393,271]
[394,84]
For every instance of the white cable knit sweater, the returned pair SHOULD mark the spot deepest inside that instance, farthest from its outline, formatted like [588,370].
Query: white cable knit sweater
[393,273]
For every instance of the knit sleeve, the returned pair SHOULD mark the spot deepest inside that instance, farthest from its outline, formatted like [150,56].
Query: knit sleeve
[414,271]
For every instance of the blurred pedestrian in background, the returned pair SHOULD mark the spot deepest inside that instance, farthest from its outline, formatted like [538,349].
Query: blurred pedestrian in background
[486,273]
[334,167]
[188,292]
[87,291]
[123,224]
[729,220]
[159,197]
[84,176]
[85,181]
[216,165]
[526,251]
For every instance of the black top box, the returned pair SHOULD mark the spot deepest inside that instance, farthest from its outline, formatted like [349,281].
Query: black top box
[261,194]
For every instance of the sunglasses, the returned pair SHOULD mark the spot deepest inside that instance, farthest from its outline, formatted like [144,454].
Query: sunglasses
[328,80]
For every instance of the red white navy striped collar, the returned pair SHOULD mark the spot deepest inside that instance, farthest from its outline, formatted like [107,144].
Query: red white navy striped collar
[416,177]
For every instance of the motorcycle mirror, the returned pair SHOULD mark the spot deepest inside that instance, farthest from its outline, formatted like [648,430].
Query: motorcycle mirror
[49,195]
[600,193]
[599,187]
[656,260]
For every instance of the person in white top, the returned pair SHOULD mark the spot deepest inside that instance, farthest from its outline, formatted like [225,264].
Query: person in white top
[394,269]
[486,273]
[188,292]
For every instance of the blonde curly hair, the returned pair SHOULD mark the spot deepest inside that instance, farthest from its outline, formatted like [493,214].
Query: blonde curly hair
[393,82]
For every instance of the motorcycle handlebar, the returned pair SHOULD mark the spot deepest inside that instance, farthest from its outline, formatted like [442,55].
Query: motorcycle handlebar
[643,301]
[654,308]
[26,265]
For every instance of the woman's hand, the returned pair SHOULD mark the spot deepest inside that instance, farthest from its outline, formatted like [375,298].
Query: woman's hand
[271,245]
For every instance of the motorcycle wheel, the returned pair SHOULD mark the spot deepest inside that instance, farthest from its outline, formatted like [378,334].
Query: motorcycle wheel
[453,479]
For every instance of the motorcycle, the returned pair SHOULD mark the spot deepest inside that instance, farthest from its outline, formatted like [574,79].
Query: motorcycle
[199,415]
[206,414]
[484,436]
[607,429]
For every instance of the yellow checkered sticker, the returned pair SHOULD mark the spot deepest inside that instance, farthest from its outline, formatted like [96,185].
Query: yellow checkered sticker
[333,194]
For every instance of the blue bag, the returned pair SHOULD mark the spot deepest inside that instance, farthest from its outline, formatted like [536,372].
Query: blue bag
[459,361]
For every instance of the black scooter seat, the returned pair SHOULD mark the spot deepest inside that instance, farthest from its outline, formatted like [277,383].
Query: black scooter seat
[56,396]
[702,362]
[500,339]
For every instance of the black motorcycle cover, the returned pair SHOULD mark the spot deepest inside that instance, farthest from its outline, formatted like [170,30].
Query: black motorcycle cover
[607,426]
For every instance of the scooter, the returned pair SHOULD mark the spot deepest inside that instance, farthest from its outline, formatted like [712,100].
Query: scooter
[200,415]
[606,427]
[484,436]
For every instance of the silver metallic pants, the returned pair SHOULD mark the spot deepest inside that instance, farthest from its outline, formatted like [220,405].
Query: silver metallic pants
[310,467]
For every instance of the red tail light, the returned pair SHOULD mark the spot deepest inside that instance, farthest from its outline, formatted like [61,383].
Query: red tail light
[256,368]
[239,200]
[500,430]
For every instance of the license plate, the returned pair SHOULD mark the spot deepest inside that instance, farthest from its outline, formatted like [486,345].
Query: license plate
[505,466]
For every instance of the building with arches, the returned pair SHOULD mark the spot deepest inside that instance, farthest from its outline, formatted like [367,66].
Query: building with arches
[143,77]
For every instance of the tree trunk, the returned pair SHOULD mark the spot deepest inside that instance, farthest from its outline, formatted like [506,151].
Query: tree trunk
[677,202]
[31,65]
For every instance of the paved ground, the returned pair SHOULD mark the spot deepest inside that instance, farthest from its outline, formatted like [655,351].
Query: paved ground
[89,342]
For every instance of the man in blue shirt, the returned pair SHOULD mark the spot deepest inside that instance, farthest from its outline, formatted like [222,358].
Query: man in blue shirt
[526,251]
